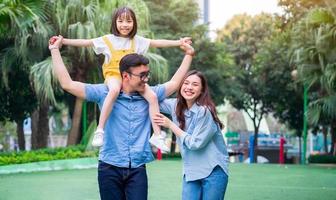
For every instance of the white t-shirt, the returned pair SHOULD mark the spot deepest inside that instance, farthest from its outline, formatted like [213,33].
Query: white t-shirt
[141,45]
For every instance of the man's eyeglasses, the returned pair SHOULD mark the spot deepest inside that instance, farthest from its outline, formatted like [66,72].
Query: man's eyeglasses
[142,75]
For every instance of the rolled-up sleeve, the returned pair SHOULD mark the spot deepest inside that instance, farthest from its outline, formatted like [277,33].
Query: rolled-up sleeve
[167,106]
[205,129]
[160,92]
[94,92]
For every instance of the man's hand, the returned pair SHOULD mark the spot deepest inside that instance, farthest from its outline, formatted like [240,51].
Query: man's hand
[187,48]
[55,42]
[73,87]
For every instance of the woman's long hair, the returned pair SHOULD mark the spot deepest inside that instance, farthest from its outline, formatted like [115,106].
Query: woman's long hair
[203,100]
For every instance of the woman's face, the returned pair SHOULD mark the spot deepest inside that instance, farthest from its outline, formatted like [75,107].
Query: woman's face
[124,24]
[191,89]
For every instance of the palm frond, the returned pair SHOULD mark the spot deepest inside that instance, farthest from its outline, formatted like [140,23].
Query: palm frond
[159,68]
[8,59]
[314,113]
[44,83]
[142,14]
[331,7]
[331,75]
[80,30]
[21,15]
[90,10]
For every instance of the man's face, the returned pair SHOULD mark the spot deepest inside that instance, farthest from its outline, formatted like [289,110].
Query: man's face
[137,78]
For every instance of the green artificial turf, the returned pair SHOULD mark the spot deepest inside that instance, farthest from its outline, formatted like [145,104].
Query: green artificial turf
[246,182]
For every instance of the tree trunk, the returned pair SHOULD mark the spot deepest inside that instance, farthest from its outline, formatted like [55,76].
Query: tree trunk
[255,144]
[40,127]
[333,137]
[34,127]
[20,135]
[325,139]
[256,125]
[43,126]
[74,135]
[300,148]
[173,144]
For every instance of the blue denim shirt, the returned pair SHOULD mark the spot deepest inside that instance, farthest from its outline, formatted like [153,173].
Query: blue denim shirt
[128,127]
[202,144]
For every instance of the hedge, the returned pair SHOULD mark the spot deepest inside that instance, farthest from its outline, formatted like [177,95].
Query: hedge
[322,158]
[45,155]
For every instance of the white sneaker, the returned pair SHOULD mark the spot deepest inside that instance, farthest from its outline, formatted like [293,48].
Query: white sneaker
[98,138]
[158,142]
[164,152]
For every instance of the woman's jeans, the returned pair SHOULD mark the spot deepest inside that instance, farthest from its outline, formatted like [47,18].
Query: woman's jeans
[212,187]
[118,183]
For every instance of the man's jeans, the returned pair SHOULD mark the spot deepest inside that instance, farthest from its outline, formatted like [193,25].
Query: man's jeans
[212,187]
[117,183]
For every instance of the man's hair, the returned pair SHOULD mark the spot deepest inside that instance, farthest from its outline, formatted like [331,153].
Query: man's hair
[132,60]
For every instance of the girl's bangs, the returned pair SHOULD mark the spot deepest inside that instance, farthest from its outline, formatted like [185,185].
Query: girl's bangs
[125,14]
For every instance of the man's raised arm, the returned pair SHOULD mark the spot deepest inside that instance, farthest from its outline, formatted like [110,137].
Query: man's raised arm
[61,72]
[172,85]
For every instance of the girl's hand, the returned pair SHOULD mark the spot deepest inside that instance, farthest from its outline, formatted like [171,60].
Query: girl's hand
[162,120]
[55,42]
[185,40]
[188,49]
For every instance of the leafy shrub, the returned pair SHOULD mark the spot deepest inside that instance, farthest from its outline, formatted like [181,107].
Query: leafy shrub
[169,156]
[45,155]
[322,158]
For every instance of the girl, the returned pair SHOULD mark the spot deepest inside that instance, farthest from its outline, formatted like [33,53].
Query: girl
[121,42]
[198,131]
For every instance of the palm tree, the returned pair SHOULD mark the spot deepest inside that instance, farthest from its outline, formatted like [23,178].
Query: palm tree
[22,28]
[315,56]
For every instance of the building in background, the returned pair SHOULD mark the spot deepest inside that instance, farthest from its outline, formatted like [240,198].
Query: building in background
[204,11]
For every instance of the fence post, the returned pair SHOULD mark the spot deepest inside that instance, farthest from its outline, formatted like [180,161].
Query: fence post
[251,152]
[281,150]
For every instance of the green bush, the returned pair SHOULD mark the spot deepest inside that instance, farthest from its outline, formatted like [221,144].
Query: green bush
[322,158]
[48,154]
[45,155]
[169,156]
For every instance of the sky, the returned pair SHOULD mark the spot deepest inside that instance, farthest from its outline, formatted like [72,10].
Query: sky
[223,10]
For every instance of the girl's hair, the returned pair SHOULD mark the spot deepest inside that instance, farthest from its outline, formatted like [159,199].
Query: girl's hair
[130,15]
[203,100]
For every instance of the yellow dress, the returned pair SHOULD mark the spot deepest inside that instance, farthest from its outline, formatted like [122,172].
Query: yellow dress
[111,69]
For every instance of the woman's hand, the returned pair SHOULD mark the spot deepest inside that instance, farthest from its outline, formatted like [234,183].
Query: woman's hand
[162,120]
[55,42]
[185,40]
[188,49]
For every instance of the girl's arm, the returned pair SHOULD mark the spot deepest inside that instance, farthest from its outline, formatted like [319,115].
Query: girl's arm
[78,42]
[169,43]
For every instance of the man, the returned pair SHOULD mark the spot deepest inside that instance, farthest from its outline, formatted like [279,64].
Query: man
[126,150]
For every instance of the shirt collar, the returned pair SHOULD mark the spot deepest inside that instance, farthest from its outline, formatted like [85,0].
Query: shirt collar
[194,108]
[131,94]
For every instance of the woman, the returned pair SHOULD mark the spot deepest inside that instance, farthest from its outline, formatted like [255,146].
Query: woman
[198,130]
